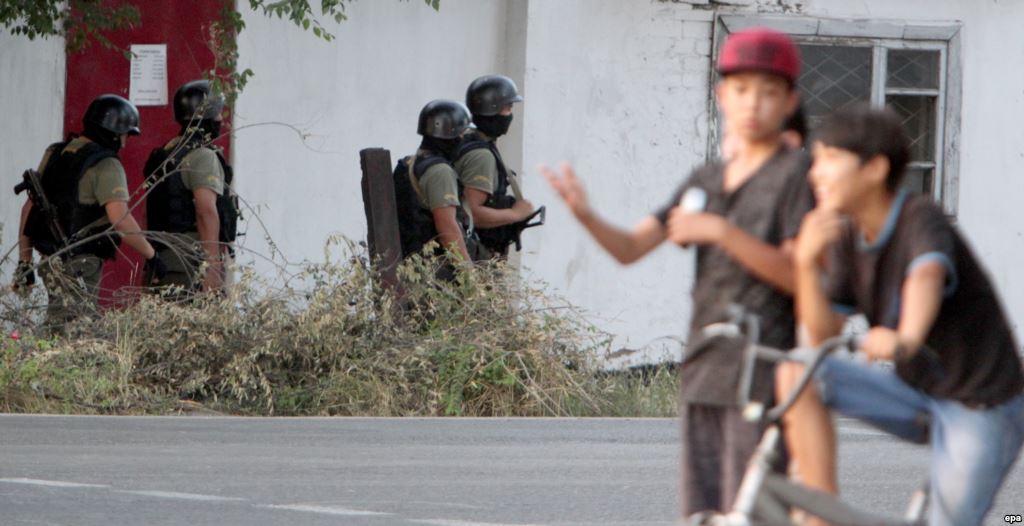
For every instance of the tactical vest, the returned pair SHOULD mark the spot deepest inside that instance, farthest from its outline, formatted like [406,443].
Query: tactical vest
[60,180]
[416,225]
[170,206]
[473,140]
[498,239]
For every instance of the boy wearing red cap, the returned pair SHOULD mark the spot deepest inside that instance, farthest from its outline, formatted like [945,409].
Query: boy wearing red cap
[742,216]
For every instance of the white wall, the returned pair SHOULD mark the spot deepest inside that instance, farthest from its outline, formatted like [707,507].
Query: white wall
[620,89]
[32,105]
[364,89]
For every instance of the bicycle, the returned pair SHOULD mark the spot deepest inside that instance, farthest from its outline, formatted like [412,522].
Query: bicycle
[766,497]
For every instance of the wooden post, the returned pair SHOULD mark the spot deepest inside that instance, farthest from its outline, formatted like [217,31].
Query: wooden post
[381,213]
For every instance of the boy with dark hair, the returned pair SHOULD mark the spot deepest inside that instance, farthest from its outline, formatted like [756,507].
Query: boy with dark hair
[873,248]
[743,233]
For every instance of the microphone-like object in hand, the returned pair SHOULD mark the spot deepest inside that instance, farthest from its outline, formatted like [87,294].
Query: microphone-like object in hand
[694,201]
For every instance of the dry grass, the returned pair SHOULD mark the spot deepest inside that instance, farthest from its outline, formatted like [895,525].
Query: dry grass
[332,343]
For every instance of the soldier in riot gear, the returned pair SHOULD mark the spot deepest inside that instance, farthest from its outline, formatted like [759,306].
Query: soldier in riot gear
[427,188]
[190,199]
[86,215]
[498,216]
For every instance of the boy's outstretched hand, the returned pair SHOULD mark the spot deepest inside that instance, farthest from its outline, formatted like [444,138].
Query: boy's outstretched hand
[569,188]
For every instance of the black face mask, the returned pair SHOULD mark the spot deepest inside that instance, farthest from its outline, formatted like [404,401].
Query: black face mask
[206,130]
[211,128]
[445,147]
[102,137]
[493,125]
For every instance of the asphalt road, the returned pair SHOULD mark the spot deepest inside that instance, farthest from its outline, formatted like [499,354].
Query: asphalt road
[444,472]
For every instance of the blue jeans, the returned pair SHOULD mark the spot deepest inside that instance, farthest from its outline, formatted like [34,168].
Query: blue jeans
[972,450]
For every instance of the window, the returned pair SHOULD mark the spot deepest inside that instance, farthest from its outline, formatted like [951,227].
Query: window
[914,69]
[907,77]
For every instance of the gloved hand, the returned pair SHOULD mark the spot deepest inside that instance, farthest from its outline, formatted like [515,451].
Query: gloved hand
[156,268]
[24,275]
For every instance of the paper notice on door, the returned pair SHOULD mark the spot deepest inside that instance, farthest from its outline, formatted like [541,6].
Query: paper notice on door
[149,75]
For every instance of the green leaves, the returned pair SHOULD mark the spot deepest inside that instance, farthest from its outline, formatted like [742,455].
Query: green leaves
[301,13]
[83,22]
[33,19]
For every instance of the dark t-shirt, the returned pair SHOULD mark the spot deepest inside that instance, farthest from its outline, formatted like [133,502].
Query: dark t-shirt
[769,206]
[975,358]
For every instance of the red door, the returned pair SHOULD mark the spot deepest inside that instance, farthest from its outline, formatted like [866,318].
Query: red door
[183,25]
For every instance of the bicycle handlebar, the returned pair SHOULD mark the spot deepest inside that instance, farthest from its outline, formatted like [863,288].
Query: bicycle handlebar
[827,347]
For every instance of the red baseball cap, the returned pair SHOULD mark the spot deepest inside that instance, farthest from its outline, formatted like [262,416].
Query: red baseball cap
[760,49]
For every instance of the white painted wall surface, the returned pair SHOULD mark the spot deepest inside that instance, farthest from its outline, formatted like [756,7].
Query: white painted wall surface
[32,103]
[313,105]
[620,89]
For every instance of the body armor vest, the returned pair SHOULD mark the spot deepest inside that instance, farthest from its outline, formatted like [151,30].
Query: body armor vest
[474,141]
[60,181]
[170,206]
[416,225]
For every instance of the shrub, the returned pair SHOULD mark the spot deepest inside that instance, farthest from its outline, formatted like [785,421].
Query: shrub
[331,341]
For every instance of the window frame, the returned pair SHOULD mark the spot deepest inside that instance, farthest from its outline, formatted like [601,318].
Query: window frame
[880,36]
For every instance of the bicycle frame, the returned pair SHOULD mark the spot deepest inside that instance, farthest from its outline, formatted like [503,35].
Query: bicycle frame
[766,497]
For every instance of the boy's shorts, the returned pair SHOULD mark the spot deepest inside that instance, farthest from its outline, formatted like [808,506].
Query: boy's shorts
[717,444]
[972,449]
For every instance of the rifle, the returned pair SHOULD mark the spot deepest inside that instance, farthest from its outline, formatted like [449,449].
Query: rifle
[501,237]
[526,223]
[31,181]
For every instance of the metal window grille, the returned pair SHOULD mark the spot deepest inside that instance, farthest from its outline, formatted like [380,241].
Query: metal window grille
[907,76]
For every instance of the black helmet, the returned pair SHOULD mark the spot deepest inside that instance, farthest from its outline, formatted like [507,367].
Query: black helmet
[488,94]
[114,114]
[193,97]
[443,119]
